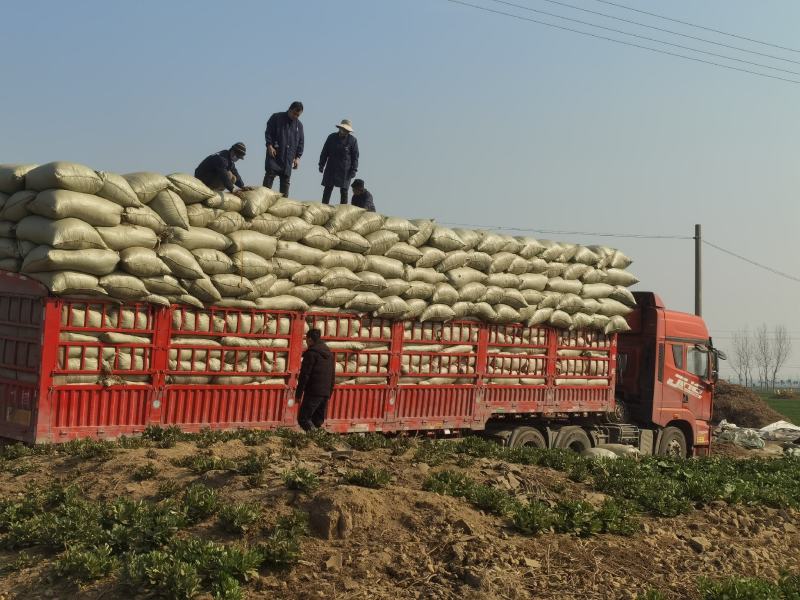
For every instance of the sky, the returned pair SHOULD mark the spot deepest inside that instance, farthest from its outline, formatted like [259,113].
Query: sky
[461,115]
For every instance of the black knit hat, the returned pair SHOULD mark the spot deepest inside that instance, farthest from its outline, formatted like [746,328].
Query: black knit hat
[239,148]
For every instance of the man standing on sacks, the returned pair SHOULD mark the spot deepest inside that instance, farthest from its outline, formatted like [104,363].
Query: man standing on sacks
[338,161]
[285,141]
[315,383]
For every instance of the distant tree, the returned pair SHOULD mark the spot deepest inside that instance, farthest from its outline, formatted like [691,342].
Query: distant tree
[781,350]
[763,354]
[743,356]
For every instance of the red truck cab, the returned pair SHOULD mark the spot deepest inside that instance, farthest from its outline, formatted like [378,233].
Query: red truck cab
[667,369]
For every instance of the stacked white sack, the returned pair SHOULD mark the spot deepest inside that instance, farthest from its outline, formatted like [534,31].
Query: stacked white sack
[147,237]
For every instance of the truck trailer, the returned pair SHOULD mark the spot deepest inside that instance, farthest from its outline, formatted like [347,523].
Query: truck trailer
[88,367]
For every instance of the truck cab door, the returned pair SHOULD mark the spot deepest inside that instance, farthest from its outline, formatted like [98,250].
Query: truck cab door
[686,384]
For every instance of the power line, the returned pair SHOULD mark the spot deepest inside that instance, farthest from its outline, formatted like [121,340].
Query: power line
[582,233]
[733,35]
[754,263]
[670,31]
[650,39]
[624,43]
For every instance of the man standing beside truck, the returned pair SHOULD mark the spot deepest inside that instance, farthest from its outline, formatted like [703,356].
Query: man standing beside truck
[315,383]
[285,140]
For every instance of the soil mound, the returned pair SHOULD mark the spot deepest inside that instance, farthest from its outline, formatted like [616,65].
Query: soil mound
[740,405]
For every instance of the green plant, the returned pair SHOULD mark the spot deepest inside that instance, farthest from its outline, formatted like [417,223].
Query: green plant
[739,588]
[143,472]
[199,502]
[576,516]
[142,526]
[256,480]
[293,438]
[300,479]
[651,594]
[434,453]
[203,463]
[151,454]
[365,442]
[254,437]
[237,518]
[168,488]
[252,464]
[164,437]
[369,477]
[162,574]
[88,448]
[532,518]
[132,442]
[81,565]
[616,517]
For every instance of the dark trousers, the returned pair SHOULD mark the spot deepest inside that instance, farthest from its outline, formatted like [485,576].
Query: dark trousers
[326,194]
[269,178]
[312,412]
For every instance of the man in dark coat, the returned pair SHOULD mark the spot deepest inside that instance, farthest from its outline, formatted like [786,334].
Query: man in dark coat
[315,384]
[285,141]
[361,196]
[218,171]
[338,161]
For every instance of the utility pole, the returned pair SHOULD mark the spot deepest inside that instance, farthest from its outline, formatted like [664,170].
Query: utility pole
[698,279]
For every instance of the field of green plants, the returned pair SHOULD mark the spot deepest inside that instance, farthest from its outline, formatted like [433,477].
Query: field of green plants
[184,540]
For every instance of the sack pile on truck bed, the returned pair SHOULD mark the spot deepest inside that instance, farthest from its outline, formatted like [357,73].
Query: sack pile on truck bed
[145,237]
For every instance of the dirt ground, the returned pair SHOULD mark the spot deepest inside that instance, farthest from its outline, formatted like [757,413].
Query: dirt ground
[402,542]
[740,405]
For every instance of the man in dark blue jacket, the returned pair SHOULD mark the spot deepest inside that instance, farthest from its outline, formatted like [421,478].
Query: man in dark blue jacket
[285,141]
[361,196]
[339,161]
[218,171]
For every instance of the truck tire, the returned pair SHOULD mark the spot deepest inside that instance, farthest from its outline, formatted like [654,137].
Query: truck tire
[527,436]
[673,443]
[573,438]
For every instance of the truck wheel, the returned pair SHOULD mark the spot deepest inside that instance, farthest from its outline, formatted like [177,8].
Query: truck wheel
[527,436]
[573,438]
[673,443]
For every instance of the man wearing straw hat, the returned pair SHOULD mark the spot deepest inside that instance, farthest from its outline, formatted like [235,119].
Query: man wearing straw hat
[338,161]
